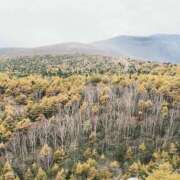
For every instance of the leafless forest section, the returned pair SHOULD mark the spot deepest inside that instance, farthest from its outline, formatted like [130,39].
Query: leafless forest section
[118,119]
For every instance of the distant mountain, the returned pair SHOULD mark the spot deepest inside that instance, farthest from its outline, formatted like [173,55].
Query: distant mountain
[160,47]
[57,49]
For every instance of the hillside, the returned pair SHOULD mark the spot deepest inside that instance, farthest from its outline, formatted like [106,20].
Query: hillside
[89,117]
[58,49]
[162,48]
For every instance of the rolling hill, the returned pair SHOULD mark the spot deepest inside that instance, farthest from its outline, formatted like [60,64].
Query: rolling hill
[160,47]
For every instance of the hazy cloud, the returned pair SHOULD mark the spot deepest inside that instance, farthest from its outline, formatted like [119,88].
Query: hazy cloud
[40,22]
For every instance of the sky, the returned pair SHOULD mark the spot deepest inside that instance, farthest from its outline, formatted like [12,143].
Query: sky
[30,23]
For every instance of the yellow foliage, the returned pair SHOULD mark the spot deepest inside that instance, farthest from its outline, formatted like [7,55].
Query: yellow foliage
[82,168]
[95,108]
[137,168]
[105,174]
[114,164]
[163,172]
[7,167]
[46,150]
[34,168]
[90,153]
[9,176]
[91,162]
[144,105]
[104,98]
[41,175]
[60,175]
[54,169]
[3,130]
[129,153]
[25,123]
[142,147]
[87,153]
[164,111]
[2,146]
[62,99]
[28,174]
[8,172]
[85,167]
[93,172]
[102,157]
[142,88]
[161,156]
[9,110]
[59,155]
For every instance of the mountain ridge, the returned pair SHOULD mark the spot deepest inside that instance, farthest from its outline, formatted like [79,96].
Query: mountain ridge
[157,47]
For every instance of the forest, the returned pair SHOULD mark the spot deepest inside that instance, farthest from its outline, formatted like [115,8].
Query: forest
[87,117]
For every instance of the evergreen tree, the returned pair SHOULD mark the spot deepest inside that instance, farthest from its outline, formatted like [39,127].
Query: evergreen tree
[41,175]
[28,174]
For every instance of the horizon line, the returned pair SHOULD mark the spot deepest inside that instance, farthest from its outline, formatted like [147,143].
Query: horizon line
[89,43]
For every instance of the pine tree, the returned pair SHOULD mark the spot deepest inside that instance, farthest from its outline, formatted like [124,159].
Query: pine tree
[46,156]
[8,172]
[54,169]
[59,155]
[28,174]
[41,175]
[7,167]
[34,168]
[60,175]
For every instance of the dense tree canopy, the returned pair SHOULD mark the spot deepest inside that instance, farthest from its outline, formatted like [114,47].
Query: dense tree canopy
[89,117]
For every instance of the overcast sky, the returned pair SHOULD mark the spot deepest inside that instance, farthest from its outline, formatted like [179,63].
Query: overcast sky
[28,23]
